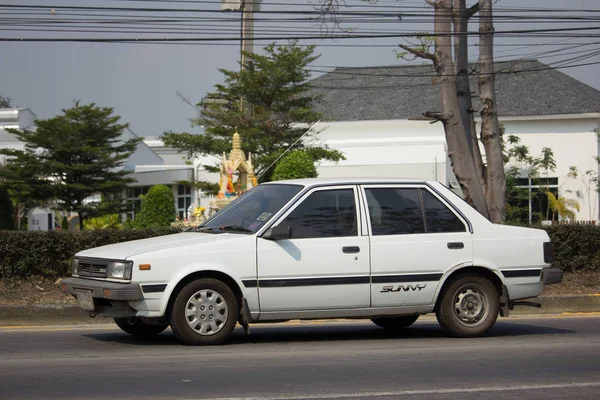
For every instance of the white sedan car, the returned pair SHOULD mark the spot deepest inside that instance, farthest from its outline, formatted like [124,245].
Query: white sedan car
[387,250]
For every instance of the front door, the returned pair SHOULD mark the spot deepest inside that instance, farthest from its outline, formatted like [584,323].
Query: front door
[325,263]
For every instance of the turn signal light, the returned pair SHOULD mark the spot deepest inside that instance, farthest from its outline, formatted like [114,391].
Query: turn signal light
[144,267]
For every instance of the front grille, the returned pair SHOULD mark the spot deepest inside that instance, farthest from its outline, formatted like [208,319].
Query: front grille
[95,268]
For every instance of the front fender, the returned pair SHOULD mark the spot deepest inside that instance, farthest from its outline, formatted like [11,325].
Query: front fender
[250,294]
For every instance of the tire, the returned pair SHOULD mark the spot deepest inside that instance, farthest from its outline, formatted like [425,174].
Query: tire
[138,328]
[395,323]
[469,306]
[204,312]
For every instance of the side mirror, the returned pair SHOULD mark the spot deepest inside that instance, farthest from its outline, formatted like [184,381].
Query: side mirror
[278,232]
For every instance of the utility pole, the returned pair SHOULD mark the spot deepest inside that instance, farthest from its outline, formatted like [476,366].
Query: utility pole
[246,9]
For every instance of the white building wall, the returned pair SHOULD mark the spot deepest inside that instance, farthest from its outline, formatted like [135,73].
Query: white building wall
[417,149]
[574,143]
[398,149]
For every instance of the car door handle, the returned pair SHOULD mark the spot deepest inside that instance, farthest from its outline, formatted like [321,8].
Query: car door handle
[351,249]
[456,245]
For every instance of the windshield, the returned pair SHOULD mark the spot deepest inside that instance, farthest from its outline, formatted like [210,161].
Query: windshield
[249,212]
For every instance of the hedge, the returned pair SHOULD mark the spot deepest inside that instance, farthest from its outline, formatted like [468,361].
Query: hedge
[49,254]
[576,247]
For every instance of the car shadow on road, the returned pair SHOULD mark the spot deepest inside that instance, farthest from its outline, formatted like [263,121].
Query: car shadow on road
[320,332]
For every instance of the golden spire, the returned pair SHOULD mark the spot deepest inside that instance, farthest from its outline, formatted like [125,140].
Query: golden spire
[237,141]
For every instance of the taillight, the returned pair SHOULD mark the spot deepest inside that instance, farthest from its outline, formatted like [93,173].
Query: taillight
[548,253]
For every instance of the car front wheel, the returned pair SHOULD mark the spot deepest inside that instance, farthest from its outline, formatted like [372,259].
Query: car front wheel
[468,306]
[204,312]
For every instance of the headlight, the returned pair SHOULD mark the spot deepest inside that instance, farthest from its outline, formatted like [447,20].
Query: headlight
[119,270]
[75,266]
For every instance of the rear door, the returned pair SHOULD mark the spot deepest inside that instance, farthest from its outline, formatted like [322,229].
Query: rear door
[416,236]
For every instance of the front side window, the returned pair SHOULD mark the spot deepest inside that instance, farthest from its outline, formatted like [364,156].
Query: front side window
[403,211]
[325,213]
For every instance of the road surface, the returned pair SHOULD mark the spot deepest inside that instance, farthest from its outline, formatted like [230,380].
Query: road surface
[532,358]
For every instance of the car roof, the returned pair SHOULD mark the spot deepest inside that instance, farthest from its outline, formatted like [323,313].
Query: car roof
[346,181]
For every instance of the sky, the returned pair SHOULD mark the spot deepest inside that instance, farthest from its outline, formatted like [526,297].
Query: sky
[143,82]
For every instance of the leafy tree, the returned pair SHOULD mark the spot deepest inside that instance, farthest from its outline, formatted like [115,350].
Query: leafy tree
[562,207]
[158,208]
[265,102]
[295,165]
[6,210]
[26,185]
[70,158]
[5,102]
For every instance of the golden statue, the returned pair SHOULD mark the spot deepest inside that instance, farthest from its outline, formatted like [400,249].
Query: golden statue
[230,167]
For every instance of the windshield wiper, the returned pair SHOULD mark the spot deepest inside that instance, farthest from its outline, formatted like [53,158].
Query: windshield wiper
[204,229]
[234,228]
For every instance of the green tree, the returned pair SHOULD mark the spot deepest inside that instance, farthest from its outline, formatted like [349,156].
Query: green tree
[158,208]
[266,101]
[6,210]
[5,102]
[295,165]
[70,158]
[26,185]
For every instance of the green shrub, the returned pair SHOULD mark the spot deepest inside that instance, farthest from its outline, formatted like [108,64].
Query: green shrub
[48,254]
[112,221]
[64,223]
[576,247]
[158,208]
[295,165]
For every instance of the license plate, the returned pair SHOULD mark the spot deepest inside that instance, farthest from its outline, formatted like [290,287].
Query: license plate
[85,300]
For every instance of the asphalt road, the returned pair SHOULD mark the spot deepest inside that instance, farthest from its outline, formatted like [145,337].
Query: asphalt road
[535,358]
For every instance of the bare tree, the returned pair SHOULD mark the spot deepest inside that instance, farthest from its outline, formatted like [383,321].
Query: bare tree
[483,184]
[495,178]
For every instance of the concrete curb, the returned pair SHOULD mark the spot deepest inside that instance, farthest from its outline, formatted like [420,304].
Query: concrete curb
[558,304]
[30,315]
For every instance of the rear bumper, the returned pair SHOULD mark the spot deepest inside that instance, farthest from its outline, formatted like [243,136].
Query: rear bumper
[551,276]
[103,289]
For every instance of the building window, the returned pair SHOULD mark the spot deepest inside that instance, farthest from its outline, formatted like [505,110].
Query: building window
[183,201]
[134,202]
[529,202]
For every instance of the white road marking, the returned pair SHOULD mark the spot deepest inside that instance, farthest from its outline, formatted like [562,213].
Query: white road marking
[415,392]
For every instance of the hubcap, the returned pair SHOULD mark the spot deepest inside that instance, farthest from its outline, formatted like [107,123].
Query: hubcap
[206,312]
[470,305]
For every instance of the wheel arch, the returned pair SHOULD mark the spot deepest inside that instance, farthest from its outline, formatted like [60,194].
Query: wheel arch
[218,275]
[490,274]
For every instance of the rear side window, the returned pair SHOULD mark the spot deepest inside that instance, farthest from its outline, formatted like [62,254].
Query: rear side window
[438,217]
[395,211]
[402,211]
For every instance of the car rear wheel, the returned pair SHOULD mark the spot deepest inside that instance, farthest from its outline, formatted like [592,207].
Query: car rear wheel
[469,306]
[138,328]
[204,312]
[394,323]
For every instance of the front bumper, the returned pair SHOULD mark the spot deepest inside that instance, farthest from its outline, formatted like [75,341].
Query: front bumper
[109,299]
[103,289]
[551,276]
